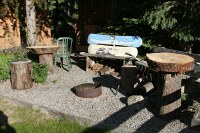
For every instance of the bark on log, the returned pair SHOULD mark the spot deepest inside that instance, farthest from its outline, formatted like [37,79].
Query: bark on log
[169,94]
[128,78]
[21,72]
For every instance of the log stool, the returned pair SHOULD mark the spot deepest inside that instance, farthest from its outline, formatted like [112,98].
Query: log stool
[21,72]
[169,66]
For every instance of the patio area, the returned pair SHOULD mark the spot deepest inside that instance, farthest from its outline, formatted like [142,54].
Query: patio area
[117,112]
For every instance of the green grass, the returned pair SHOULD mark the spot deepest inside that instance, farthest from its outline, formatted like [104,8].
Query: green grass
[27,120]
[50,126]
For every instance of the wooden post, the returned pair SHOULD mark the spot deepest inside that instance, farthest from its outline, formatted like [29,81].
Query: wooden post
[168,93]
[169,66]
[128,78]
[21,72]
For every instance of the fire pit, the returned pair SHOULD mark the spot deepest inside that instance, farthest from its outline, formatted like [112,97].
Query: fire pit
[88,90]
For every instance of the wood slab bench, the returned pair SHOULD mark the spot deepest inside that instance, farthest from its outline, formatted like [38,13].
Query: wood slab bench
[126,60]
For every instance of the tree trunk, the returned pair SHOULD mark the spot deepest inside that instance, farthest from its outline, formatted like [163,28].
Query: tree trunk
[31,23]
[21,72]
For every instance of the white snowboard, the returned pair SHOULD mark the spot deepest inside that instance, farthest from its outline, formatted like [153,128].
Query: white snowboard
[113,50]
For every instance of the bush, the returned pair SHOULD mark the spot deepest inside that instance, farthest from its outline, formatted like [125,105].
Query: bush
[5,63]
[6,59]
[40,72]
[21,53]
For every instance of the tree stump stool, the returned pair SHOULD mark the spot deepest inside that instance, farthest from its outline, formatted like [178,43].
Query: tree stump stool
[169,66]
[21,72]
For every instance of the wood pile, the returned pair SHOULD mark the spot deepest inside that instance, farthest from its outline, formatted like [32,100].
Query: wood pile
[101,69]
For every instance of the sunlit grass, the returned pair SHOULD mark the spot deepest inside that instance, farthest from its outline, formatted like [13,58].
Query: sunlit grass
[27,120]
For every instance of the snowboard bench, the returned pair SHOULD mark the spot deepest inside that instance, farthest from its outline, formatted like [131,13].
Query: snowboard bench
[195,73]
[108,47]
[92,57]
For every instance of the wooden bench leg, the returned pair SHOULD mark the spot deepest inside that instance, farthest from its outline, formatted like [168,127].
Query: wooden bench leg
[88,62]
[128,78]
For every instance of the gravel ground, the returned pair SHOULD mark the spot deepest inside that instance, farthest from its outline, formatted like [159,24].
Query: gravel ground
[57,94]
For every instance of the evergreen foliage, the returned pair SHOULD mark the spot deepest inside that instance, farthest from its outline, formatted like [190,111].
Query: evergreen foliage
[63,15]
[173,24]
[170,23]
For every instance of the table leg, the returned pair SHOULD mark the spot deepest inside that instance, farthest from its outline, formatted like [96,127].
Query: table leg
[169,94]
[47,59]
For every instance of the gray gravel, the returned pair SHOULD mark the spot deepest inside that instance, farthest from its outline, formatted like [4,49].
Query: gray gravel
[56,94]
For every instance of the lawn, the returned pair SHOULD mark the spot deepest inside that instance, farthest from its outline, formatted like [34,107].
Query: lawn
[15,118]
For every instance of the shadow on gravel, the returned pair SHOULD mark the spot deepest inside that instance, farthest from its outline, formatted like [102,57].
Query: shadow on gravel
[79,61]
[153,125]
[4,126]
[115,120]
[110,82]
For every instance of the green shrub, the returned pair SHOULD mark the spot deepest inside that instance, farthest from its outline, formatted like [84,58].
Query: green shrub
[6,59]
[21,53]
[5,63]
[40,72]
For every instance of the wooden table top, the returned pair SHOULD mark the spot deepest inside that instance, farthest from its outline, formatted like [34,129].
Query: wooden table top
[170,62]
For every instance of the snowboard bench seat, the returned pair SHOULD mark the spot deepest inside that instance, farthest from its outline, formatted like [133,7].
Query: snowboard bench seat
[126,60]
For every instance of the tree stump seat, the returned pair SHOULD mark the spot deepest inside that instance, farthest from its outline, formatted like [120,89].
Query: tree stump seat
[21,74]
[170,67]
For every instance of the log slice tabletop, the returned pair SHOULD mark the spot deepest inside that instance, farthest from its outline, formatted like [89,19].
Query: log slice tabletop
[170,62]
[44,49]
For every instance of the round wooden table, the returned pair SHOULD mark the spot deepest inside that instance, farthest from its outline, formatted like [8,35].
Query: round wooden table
[170,67]
[45,54]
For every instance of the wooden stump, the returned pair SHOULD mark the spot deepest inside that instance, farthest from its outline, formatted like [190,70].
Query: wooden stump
[21,72]
[169,67]
[168,93]
[128,78]
[45,54]
[47,59]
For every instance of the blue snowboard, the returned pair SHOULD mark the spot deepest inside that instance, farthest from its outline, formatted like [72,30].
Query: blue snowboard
[134,41]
